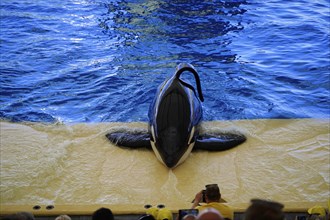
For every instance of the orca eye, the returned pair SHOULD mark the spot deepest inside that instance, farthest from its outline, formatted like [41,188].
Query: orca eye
[191,135]
[153,137]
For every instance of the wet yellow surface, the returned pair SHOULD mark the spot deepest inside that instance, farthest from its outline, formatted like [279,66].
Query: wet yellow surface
[75,169]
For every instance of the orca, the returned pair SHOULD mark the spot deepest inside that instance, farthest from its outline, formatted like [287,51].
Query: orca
[174,118]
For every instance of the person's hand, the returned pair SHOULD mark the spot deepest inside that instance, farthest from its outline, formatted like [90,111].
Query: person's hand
[198,199]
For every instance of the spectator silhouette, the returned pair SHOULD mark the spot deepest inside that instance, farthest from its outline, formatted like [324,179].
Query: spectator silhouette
[209,214]
[103,214]
[63,217]
[264,210]
[19,216]
[212,199]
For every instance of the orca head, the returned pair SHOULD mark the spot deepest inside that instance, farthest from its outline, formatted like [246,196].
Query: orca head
[172,132]
[173,116]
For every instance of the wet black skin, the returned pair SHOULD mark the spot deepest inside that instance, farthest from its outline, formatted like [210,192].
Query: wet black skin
[174,117]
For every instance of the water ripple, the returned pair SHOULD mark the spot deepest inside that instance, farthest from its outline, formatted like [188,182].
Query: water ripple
[98,60]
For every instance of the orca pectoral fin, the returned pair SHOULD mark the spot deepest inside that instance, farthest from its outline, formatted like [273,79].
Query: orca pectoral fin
[218,142]
[130,140]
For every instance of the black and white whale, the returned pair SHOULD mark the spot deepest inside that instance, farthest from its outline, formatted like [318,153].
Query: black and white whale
[174,118]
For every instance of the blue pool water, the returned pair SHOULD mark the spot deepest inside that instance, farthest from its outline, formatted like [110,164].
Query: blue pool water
[97,61]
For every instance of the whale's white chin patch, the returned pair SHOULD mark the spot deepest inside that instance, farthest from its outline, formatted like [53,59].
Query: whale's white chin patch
[186,154]
[190,147]
[154,148]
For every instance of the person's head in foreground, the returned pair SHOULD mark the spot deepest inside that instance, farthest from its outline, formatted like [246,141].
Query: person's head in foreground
[19,216]
[317,213]
[264,210]
[102,214]
[209,214]
[212,193]
[63,217]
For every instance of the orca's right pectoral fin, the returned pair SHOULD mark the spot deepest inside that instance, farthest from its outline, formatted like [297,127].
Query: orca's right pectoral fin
[130,140]
[219,142]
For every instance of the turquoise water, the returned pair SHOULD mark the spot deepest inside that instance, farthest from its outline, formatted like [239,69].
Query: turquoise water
[96,61]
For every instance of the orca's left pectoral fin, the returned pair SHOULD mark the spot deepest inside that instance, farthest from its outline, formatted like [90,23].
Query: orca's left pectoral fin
[218,142]
[130,140]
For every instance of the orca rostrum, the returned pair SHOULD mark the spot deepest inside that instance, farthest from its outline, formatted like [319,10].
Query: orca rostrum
[174,117]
